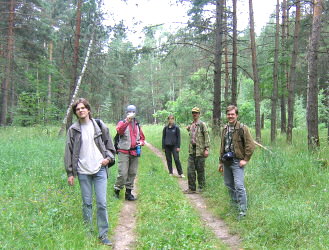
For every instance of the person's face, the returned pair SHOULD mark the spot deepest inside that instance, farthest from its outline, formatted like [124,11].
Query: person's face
[171,120]
[131,114]
[81,111]
[195,115]
[231,116]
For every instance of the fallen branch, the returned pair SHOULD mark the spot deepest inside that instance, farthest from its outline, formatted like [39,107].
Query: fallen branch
[263,147]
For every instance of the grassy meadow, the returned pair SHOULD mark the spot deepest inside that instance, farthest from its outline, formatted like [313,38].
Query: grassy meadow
[288,193]
[288,196]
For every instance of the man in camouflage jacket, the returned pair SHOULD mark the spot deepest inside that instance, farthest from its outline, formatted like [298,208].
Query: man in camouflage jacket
[198,152]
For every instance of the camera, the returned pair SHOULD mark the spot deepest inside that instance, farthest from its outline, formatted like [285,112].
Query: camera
[228,156]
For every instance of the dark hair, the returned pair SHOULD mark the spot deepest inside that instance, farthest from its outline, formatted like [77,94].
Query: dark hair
[84,102]
[232,107]
[170,116]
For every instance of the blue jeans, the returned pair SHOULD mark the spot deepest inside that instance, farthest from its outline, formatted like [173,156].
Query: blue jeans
[234,181]
[99,181]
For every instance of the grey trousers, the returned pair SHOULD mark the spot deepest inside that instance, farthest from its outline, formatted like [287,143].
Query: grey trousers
[99,181]
[127,171]
[234,181]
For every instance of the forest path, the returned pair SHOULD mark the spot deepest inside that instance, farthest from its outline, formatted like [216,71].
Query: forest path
[125,234]
[217,225]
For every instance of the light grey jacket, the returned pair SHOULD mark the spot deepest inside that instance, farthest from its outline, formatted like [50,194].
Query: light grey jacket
[102,139]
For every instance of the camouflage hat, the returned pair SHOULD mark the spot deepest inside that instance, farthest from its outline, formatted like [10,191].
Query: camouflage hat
[196,110]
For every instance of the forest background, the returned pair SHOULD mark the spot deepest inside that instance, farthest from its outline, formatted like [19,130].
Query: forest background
[54,51]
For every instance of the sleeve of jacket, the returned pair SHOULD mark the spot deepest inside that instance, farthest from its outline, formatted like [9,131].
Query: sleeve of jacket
[206,136]
[163,137]
[142,136]
[222,142]
[121,127]
[68,154]
[178,137]
[108,141]
[249,144]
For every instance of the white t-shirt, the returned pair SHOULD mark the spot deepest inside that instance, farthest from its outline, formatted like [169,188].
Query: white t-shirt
[90,158]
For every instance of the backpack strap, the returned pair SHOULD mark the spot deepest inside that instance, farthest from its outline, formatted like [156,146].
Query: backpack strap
[98,121]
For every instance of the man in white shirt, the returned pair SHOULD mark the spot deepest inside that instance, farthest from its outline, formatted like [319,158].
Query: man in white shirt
[89,149]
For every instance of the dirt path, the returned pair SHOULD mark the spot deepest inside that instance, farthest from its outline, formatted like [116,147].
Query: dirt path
[215,224]
[125,235]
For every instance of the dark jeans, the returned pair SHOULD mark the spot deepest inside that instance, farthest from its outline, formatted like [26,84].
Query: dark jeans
[195,170]
[171,151]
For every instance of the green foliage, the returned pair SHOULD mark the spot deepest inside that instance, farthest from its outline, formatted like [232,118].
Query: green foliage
[181,108]
[299,112]
[38,208]
[287,193]
[247,113]
[27,110]
[166,220]
[323,106]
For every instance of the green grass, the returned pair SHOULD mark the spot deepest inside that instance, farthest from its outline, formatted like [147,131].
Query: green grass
[166,219]
[288,193]
[38,210]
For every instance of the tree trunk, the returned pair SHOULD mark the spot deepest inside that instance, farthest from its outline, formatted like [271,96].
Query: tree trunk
[292,75]
[76,90]
[312,86]
[218,64]
[255,73]
[75,58]
[234,56]
[8,69]
[51,44]
[227,74]
[284,77]
[275,75]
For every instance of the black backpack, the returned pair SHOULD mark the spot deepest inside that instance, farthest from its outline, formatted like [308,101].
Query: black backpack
[98,121]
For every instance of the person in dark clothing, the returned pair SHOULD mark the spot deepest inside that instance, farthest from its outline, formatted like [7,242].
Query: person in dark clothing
[171,145]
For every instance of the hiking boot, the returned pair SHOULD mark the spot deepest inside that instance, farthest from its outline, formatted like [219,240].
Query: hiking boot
[182,176]
[117,193]
[105,241]
[241,215]
[189,191]
[129,196]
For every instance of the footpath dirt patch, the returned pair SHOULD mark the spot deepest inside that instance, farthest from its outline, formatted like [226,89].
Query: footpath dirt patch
[125,235]
[217,225]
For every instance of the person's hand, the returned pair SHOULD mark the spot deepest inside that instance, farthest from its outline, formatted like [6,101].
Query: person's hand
[188,128]
[70,180]
[177,149]
[220,168]
[243,163]
[105,162]
[129,119]
[206,153]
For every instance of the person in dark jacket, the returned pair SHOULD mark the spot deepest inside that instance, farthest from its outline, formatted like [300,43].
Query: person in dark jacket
[171,145]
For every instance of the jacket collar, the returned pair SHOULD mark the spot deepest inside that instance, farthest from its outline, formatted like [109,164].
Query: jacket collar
[237,125]
[77,126]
